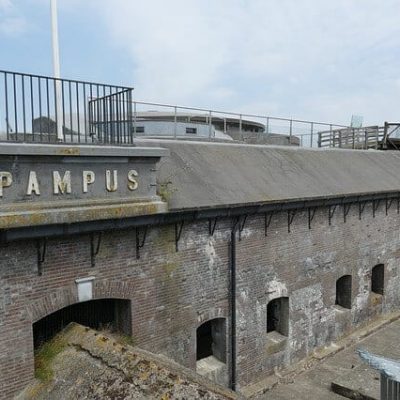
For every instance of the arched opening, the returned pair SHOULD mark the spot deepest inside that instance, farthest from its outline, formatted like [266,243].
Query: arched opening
[111,314]
[343,291]
[378,279]
[211,340]
[211,350]
[278,316]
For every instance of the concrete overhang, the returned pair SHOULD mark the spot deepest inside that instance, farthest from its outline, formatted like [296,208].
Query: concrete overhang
[61,184]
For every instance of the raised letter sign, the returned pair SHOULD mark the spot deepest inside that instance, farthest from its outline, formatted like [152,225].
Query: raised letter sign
[61,185]
[111,186]
[33,184]
[88,178]
[132,182]
[5,181]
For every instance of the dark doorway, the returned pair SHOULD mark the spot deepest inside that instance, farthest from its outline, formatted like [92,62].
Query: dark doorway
[211,339]
[343,291]
[111,314]
[278,316]
[378,279]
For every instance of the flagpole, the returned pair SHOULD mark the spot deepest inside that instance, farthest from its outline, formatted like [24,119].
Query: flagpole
[56,67]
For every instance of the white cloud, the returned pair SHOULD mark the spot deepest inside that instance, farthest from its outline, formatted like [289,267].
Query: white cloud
[5,5]
[308,58]
[12,21]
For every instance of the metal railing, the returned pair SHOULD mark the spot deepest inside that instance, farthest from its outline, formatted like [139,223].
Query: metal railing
[352,138]
[389,370]
[370,137]
[240,126]
[35,108]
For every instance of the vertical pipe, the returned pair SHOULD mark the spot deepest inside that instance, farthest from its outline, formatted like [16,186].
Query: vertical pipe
[232,298]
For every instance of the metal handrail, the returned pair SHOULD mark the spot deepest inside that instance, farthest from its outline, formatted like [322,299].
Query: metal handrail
[239,114]
[34,106]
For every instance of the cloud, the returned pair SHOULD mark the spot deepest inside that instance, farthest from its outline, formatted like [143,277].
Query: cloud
[309,58]
[12,21]
[5,5]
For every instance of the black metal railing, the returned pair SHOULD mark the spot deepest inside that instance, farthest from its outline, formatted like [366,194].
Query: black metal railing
[35,108]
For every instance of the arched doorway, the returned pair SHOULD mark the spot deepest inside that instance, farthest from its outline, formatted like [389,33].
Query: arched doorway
[112,314]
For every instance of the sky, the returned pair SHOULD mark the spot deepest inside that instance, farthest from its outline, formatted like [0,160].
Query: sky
[307,59]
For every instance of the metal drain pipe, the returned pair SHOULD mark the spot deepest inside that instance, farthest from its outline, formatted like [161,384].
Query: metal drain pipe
[232,301]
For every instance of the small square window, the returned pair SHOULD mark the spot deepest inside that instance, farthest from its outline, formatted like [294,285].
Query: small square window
[138,129]
[192,131]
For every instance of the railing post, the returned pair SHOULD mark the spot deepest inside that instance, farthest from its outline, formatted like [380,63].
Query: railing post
[134,119]
[175,122]
[312,134]
[290,130]
[240,127]
[210,124]
[354,139]
[225,130]
[129,115]
[267,125]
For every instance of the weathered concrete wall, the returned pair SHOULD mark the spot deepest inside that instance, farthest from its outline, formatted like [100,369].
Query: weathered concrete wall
[172,293]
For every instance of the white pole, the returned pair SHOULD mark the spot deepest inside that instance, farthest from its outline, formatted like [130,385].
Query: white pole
[56,67]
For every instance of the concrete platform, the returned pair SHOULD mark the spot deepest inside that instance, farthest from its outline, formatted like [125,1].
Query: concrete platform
[344,372]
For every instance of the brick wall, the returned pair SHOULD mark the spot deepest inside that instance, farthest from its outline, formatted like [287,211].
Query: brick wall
[172,293]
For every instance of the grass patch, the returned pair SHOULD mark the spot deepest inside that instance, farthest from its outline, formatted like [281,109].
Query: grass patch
[44,355]
[126,340]
[122,338]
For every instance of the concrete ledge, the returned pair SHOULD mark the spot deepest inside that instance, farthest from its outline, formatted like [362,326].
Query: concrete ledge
[79,213]
[35,149]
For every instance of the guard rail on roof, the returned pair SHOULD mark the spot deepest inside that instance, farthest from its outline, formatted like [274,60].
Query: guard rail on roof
[36,108]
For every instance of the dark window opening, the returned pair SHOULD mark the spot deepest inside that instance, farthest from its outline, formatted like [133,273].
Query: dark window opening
[138,129]
[278,316]
[191,130]
[110,314]
[378,279]
[343,291]
[211,339]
